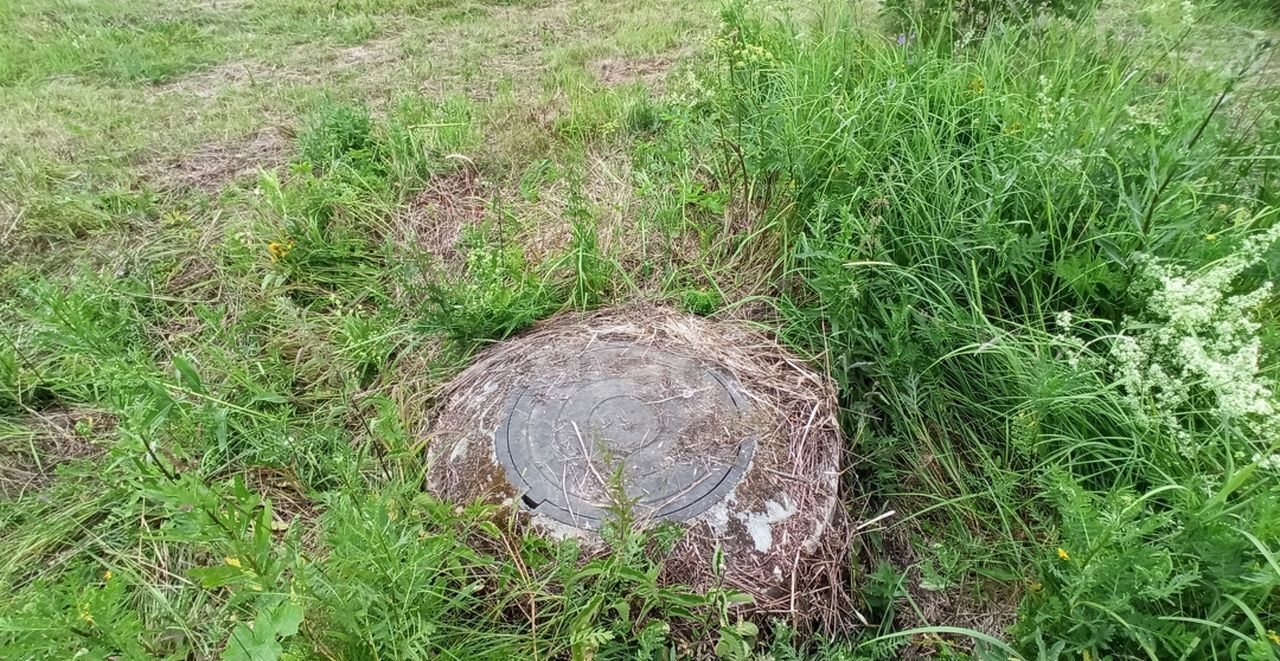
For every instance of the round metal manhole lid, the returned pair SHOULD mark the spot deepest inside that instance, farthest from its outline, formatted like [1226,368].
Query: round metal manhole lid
[629,426]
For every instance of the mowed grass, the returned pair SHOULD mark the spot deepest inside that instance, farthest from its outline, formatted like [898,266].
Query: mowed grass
[245,242]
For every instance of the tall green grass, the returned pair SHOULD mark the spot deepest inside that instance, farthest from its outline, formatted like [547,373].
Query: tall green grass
[972,225]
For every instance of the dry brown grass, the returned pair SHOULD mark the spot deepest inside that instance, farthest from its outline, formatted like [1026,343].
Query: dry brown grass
[434,220]
[213,166]
[289,502]
[607,193]
[31,452]
[207,84]
[615,71]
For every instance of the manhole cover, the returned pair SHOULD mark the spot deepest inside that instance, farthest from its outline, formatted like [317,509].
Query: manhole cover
[625,424]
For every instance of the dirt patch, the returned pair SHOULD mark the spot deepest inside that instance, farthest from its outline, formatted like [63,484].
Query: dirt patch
[282,487]
[209,83]
[990,607]
[433,222]
[617,71]
[32,449]
[213,166]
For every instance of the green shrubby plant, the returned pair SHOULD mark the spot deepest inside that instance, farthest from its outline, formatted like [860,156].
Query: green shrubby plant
[497,296]
[338,134]
[84,611]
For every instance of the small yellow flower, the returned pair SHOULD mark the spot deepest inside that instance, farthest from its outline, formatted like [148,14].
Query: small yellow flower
[279,250]
[106,576]
[977,85]
[1062,554]
[85,615]
[1275,637]
[1034,585]
[234,562]
[1211,237]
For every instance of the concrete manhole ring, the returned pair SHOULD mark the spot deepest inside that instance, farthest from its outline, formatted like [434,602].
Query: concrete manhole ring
[710,426]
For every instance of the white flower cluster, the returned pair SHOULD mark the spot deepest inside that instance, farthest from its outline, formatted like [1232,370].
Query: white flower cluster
[1069,346]
[1188,13]
[1047,104]
[1197,342]
[1270,462]
[1151,114]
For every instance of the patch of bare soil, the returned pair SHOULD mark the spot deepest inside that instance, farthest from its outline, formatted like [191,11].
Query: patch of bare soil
[434,221]
[215,165]
[31,452]
[616,71]
[209,83]
[991,608]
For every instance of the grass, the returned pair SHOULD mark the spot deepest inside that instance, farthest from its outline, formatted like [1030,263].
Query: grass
[245,242]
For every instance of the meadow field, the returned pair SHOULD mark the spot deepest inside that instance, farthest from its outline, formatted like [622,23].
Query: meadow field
[243,243]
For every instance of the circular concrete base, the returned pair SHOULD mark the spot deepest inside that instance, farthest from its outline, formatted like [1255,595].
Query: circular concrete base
[707,425]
